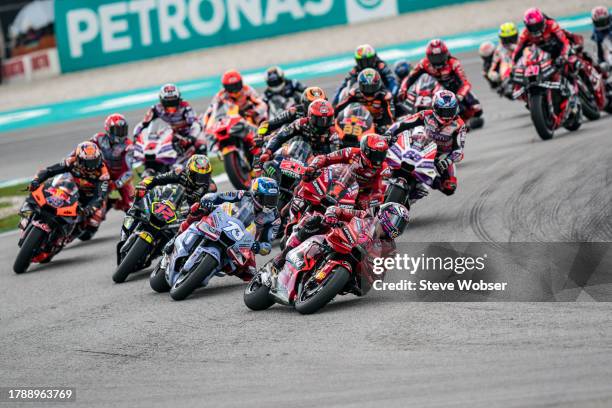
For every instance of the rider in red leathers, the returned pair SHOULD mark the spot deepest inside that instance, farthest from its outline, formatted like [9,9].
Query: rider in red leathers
[370,160]
[446,128]
[117,153]
[176,112]
[448,71]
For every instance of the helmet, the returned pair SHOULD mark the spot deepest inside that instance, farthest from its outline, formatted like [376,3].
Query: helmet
[369,81]
[601,18]
[486,49]
[321,114]
[373,149]
[88,156]
[265,193]
[393,218]
[508,33]
[445,106]
[437,53]
[310,94]
[116,127]
[275,78]
[232,81]
[534,21]
[170,97]
[198,169]
[402,68]
[419,139]
[365,56]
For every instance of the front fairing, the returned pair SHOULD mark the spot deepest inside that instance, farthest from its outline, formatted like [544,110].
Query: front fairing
[299,260]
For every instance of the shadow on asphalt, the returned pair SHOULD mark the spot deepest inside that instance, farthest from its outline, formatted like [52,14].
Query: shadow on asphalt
[54,264]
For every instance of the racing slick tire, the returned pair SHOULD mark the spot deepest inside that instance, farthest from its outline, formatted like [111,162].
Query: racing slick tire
[157,279]
[31,243]
[324,292]
[537,107]
[236,171]
[132,259]
[190,281]
[257,295]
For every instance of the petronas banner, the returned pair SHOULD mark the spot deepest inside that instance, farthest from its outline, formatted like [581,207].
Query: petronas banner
[103,32]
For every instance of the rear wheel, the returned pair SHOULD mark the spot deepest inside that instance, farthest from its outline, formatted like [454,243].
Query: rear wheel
[31,243]
[257,295]
[187,282]
[132,260]
[237,170]
[313,295]
[540,116]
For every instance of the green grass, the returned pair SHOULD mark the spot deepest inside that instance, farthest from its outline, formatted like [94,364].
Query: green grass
[17,190]
[5,204]
[9,223]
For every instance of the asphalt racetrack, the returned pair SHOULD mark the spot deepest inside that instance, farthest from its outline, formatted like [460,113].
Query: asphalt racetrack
[66,323]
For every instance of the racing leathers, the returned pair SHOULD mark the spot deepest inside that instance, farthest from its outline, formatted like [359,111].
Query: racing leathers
[599,36]
[92,185]
[369,179]
[380,105]
[119,158]
[292,90]
[284,118]
[192,192]
[267,222]
[501,53]
[452,77]
[450,141]
[383,69]
[183,121]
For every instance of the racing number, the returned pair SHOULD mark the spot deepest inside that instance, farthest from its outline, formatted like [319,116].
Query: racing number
[234,230]
[351,129]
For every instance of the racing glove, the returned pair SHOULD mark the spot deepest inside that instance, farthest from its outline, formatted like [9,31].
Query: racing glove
[443,164]
[265,157]
[206,206]
[141,191]
[34,184]
[330,217]
[310,173]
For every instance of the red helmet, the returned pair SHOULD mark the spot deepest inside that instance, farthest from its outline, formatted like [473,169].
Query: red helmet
[170,97]
[321,114]
[373,149]
[601,18]
[437,53]
[88,156]
[534,21]
[232,81]
[116,127]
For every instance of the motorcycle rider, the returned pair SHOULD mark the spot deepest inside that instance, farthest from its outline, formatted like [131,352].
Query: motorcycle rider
[508,36]
[448,71]
[278,84]
[316,128]
[602,29]
[235,92]
[366,57]
[91,176]
[300,110]
[442,124]
[372,94]
[195,177]
[369,162]
[486,51]
[117,153]
[384,227]
[401,69]
[177,113]
[257,205]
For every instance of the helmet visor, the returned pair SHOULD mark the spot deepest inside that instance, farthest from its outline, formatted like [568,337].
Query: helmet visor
[321,121]
[170,102]
[119,131]
[91,164]
[233,88]
[377,157]
[369,89]
[509,40]
[535,28]
[446,113]
[267,200]
[601,23]
[199,179]
[396,225]
[366,62]
[437,60]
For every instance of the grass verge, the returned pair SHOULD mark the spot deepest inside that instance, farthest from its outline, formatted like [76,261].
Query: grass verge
[9,223]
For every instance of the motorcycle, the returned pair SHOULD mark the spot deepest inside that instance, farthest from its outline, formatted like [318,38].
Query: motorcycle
[420,95]
[147,227]
[226,131]
[48,221]
[278,104]
[218,245]
[316,271]
[592,90]
[412,163]
[505,87]
[334,185]
[154,148]
[552,99]
[352,123]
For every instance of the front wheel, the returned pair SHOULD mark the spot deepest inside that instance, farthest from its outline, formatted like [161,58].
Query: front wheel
[257,295]
[157,280]
[31,243]
[540,116]
[313,295]
[187,282]
[237,170]
[587,99]
[132,260]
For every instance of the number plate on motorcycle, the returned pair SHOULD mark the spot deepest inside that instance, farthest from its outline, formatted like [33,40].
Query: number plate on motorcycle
[532,70]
